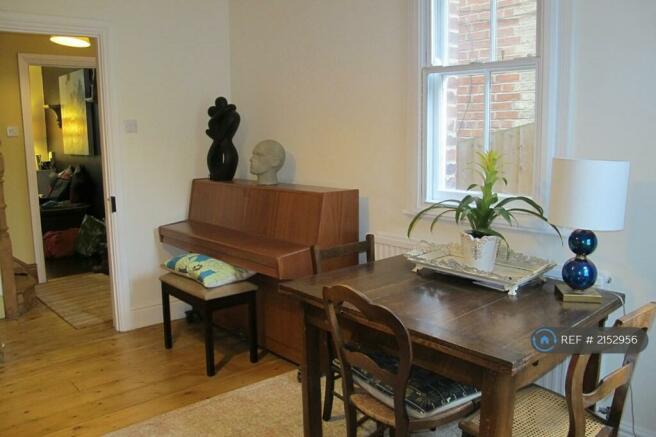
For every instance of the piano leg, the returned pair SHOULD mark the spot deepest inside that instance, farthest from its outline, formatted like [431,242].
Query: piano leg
[166,317]
[209,340]
[252,327]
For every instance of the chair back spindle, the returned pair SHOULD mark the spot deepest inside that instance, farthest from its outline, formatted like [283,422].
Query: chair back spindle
[320,255]
[616,382]
[334,298]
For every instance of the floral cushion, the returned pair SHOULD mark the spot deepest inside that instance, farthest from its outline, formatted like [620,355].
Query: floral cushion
[210,272]
[427,394]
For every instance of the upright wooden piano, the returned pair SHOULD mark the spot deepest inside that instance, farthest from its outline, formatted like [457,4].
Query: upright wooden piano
[268,229]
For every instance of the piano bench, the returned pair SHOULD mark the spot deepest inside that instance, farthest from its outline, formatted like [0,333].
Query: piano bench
[206,301]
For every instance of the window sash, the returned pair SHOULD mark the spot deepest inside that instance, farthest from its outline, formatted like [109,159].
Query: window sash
[431,67]
[436,44]
[436,111]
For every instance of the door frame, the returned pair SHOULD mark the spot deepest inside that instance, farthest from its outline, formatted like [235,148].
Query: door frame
[110,152]
[25,60]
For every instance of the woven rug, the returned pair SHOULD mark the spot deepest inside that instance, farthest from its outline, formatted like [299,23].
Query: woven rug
[269,408]
[81,300]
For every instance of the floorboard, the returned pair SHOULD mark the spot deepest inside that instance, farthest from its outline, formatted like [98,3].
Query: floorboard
[55,379]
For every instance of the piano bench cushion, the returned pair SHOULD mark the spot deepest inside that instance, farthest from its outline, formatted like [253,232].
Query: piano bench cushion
[194,288]
[209,272]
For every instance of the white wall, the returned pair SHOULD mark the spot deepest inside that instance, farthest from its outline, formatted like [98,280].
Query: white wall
[168,61]
[329,80]
[326,79]
[614,117]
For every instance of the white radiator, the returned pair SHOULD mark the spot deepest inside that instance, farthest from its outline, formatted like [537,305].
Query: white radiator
[390,245]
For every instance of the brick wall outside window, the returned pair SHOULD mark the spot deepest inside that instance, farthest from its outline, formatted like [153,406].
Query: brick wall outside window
[512,93]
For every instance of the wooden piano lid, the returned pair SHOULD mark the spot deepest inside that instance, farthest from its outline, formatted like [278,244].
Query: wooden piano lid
[275,258]
[268,229]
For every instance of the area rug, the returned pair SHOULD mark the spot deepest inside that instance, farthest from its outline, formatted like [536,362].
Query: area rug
[269,408]
[81,300]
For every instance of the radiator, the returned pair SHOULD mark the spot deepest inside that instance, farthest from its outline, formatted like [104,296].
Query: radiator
[389,245]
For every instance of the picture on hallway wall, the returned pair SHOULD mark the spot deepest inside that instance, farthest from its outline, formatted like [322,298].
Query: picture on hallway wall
[75,130]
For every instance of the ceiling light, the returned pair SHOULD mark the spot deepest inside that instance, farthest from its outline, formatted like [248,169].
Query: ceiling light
[71,41]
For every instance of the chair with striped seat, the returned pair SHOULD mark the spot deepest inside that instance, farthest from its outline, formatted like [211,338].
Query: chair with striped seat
[540,412]
[389,391]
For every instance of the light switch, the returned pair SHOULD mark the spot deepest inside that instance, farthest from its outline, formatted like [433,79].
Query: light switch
[130,126]
[12,131]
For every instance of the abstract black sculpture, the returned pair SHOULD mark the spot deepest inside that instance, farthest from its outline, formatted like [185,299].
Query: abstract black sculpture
[222,157]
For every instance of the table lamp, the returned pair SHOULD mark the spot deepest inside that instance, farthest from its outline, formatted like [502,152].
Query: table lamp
[587,196]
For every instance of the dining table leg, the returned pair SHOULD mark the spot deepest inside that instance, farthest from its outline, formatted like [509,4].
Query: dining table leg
[497,405]
[311,379]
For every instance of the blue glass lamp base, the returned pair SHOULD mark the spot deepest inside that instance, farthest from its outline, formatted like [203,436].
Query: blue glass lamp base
[579,272]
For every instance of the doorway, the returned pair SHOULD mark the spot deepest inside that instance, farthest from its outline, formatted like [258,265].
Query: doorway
[39,24]
[65,189]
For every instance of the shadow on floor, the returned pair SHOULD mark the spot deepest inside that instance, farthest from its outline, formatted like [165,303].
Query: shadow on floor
[70,265]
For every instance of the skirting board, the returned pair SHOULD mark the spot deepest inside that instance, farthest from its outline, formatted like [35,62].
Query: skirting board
[627,431]
[152,315]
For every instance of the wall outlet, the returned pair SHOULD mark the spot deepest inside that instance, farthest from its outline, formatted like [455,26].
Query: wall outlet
[12,131]
[131,126]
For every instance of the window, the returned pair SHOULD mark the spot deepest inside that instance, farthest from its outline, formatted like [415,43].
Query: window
[480,80]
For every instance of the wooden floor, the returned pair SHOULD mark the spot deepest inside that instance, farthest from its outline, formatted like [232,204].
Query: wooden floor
[57,380]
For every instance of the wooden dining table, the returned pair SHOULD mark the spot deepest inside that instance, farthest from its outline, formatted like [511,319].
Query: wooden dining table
[463,331]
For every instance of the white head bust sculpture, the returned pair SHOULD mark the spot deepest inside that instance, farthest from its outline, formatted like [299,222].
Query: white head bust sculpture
[268,157]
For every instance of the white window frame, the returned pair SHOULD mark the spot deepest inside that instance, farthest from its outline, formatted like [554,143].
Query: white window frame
[553,99]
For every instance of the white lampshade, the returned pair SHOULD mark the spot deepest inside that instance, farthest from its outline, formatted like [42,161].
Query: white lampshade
[587,194]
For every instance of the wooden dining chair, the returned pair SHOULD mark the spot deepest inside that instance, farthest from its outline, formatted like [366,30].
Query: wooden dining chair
[318,257]
[539,411]
[389,390]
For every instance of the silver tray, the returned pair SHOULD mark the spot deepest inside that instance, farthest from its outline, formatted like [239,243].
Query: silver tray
[511,271]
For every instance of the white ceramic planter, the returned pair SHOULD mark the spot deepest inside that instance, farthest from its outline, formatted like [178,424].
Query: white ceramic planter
[479,253]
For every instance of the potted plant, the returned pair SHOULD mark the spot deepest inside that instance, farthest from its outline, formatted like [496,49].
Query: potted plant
[481,241]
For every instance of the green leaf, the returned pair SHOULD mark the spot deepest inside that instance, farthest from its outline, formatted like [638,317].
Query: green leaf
[463,206]
[524,199]
[480,174]
[505,214]
[438,205]
[541,217]
[437,217]
[494,233]
[472,186]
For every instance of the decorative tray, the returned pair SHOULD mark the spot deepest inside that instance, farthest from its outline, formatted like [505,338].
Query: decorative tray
[511,271]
